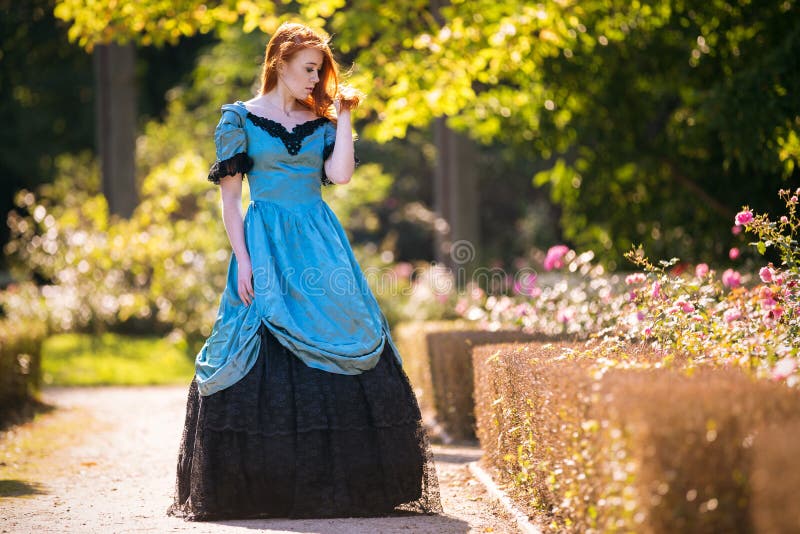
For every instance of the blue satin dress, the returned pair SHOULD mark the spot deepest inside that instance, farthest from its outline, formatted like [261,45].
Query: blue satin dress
[310,291]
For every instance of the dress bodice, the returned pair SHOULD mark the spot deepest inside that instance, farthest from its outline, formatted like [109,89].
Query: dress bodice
[282,166]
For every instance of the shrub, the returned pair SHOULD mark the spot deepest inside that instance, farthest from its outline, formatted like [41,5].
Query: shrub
[411,338]
[20,364]
[611,439]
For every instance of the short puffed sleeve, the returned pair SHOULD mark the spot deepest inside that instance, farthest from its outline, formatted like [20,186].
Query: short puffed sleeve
[231,144]
[330,141]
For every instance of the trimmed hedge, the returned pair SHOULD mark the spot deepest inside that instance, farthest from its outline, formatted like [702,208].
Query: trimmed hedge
[20,364]
[411,340]
[437,356]
[776,479]
[587,445]
[450,361]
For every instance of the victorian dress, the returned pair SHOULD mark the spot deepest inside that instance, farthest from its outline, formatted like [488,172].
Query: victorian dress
[299,406]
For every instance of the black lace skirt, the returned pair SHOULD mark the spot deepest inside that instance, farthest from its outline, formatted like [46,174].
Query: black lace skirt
[292,441]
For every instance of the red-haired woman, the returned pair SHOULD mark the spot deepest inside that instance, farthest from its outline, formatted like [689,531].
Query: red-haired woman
[299,406]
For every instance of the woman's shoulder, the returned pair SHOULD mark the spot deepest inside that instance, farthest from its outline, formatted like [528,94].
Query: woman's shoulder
[236,107]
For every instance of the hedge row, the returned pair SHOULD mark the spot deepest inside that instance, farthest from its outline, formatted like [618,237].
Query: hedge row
[589,447]
[437,356]
[20,364]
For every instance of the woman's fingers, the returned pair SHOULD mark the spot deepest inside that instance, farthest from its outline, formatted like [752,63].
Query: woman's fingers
[246,293]
[249,287]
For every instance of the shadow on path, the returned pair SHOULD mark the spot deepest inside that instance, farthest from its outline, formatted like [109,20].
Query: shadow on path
[20,488]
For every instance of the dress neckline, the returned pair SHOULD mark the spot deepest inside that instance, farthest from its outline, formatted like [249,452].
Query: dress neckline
[293,139]
[259,118]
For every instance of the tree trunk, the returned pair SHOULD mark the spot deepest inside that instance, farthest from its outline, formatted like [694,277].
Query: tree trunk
[456,201]
[115,125]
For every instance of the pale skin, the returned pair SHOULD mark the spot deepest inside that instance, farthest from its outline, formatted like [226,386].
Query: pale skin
[296,80]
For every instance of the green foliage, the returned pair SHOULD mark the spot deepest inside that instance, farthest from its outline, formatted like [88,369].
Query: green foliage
[666,114]
[160,267]
[39,76]
[111,359]
[163,268]
[354,202]
[155,22]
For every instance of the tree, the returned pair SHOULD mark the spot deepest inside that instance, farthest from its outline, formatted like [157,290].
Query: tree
[656,119]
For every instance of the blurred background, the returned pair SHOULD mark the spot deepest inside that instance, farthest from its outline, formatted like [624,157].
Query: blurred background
[505,127]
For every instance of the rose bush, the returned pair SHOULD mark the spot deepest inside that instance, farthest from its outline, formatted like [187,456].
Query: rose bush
[732,318]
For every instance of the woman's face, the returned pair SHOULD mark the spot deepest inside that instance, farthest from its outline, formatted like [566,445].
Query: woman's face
[301,73]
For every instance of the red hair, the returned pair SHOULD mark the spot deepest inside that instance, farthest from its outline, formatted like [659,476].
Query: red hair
[291,37]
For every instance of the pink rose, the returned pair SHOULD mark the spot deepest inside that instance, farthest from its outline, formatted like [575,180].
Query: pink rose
[733,253]
[701,270]
[784,219]
[476,293]
[526,284]
[784,368]
[554,258]
[635,278]
[765,273]
[404,269]
[731,278]
[731,315]
[736,230]
[564,315]
[743,217]
[686,307]
[765,293]
[656,290]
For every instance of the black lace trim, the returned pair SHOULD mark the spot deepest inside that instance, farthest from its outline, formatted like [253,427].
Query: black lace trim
[238,163]
[326,153]
[292,140]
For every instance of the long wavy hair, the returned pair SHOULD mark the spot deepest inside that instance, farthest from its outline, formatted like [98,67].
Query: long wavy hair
[291,37]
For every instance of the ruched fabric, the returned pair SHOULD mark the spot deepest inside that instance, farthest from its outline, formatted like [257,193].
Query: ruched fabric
[309,290]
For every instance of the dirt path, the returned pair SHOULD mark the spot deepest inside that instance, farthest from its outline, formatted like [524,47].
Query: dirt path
[105,462]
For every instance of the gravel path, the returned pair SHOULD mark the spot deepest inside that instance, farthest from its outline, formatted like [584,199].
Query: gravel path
[106,464]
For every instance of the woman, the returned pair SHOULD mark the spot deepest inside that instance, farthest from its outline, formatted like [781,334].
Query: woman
[299,406]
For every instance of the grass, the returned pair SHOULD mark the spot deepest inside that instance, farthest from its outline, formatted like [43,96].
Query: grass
[113,359]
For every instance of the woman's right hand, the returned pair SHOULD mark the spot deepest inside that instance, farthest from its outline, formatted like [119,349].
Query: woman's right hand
[245,282]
